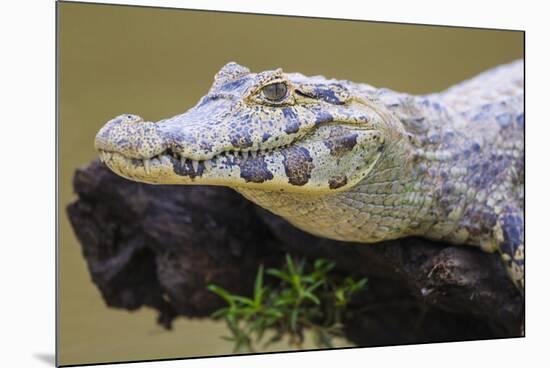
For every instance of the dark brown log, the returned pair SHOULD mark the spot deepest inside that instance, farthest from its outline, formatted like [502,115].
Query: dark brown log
[161,246]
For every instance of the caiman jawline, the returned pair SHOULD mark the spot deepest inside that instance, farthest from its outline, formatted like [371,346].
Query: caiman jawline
[168,155]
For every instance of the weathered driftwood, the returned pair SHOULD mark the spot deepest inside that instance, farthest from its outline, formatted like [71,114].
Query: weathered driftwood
[160,246]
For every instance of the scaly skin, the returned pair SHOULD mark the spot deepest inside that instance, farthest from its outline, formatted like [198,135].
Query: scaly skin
[348,161]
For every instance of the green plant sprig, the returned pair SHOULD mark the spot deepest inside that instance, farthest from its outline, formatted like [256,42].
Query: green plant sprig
[306,295]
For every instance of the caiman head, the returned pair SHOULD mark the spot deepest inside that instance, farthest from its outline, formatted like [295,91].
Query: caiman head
[270,130]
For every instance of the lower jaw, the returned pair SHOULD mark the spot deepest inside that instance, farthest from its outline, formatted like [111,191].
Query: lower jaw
[223,171]
[157,170]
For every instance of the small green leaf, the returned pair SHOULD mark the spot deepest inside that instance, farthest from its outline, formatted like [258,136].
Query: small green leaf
[283,302]
[221,292]
[242,299]
[278,273]
[290,264]
[274,313]
[258,285]
[340,297]
[219,313]
[315,286]
[312,297]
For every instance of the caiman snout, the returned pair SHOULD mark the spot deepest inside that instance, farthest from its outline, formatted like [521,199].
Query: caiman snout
[130,136]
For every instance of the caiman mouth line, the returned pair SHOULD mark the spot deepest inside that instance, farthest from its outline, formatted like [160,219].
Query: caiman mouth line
[168,155]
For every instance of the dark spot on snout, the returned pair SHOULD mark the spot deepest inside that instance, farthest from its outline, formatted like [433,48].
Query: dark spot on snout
[241,140]
[265,137]
[255,170]
[205,146]
[178,139]
[298,165]
[336,182]
[341,145]
[123,142]
[293,124]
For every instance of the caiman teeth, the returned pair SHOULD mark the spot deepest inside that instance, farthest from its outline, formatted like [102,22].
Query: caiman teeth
[207,164]
[195,164]
[183,160]
[147,165]
[254,154]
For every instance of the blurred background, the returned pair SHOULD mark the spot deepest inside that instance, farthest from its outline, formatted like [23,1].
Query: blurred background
[157,63]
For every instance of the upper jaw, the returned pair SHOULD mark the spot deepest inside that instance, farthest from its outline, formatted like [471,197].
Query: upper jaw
[180,137]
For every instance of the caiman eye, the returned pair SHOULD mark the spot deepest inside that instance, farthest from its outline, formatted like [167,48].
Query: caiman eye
[275,91]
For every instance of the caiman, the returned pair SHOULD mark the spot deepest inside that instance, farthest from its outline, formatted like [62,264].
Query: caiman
[349,161]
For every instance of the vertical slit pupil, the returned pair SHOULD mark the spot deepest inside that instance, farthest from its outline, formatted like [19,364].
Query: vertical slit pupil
[275,91]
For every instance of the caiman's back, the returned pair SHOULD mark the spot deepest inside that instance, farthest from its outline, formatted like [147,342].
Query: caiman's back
[493,106]
[487,165]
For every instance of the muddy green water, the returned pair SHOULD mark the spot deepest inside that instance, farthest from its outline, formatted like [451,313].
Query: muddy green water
[157,63]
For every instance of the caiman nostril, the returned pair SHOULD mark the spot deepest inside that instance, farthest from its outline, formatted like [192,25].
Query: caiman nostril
[130,136]
[131,119]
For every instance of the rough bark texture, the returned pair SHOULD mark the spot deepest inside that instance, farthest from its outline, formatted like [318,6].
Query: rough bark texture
[160,246]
